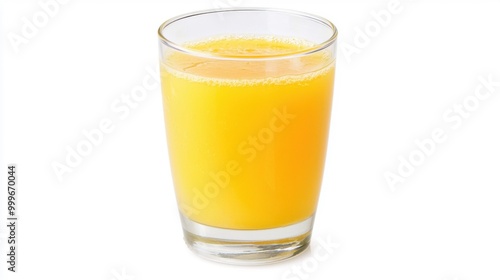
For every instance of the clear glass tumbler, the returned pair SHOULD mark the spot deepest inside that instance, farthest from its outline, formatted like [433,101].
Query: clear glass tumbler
[247,97]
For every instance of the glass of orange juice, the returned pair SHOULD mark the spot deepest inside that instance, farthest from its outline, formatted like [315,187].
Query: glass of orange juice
[247,97]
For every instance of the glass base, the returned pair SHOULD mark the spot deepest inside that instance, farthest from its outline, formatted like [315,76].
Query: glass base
[247,247]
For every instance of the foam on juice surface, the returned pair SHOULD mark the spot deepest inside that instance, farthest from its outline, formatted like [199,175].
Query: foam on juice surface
[238,60]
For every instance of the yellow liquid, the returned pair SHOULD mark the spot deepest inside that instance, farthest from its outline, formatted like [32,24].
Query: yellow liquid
[247,138]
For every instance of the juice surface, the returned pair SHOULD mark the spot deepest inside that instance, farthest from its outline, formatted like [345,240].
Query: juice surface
[247,138]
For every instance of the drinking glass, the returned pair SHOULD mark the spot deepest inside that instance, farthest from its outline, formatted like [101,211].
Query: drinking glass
[247,95]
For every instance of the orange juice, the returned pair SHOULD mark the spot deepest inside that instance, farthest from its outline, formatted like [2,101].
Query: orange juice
[247,127]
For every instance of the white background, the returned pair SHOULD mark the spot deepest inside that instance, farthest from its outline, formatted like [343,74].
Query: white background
[114,216]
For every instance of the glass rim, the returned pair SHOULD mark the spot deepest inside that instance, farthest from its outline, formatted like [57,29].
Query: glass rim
[315,48]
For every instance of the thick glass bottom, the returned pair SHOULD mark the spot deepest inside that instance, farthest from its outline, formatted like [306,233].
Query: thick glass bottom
[247,247]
